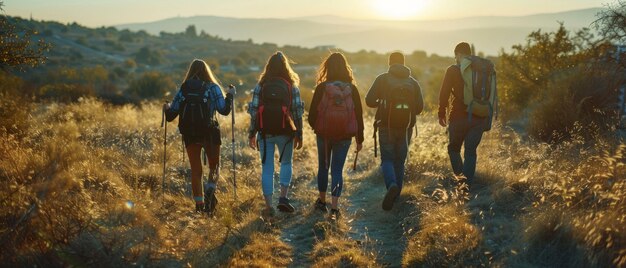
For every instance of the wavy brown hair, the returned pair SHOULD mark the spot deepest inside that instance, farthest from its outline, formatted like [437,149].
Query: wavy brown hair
[278,66]
[200,70]
[335,68]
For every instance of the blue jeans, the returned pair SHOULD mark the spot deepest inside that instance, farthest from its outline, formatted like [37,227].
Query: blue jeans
[394,146]
[337,151]
[267,174]
[463,132]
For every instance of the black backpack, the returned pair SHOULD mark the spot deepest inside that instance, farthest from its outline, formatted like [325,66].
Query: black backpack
[397,106]
[274,116]
[399,102]
[194,110]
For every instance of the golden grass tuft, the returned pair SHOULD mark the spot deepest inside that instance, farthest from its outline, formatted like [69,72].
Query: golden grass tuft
[263,250]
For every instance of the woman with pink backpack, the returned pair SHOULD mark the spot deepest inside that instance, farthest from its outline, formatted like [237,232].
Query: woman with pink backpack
[336,115]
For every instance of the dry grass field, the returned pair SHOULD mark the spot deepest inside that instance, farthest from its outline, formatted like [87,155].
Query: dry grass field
[82,186]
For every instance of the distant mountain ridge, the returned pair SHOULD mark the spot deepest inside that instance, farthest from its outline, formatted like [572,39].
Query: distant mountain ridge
[490,34]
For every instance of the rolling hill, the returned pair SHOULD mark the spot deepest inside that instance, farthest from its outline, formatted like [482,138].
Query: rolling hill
[490,34]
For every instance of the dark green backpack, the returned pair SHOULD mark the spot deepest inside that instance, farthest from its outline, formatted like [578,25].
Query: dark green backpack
[399,102]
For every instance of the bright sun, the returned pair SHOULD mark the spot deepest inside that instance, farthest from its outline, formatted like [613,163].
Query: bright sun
[398,9]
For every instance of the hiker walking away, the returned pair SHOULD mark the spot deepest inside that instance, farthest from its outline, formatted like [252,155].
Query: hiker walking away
[472,84]
[398,97]
[336,115]
[276,126]
[199,97]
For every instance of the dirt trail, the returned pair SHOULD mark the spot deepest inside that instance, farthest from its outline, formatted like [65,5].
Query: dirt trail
[359,224]
[363,224]
[377,230]
[298,229]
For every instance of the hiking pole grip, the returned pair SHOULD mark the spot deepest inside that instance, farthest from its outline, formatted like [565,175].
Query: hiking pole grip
[233,91]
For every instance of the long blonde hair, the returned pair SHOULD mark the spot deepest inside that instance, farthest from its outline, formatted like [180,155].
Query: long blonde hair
[278,66]
[200,70]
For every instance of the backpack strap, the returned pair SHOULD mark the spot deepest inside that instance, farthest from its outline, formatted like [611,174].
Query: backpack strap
[287,110]
[280,157]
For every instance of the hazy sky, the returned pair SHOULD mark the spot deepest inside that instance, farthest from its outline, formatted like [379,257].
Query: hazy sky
[112,12]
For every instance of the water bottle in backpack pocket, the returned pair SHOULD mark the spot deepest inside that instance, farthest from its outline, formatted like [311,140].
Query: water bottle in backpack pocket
[194,111]
[336,117]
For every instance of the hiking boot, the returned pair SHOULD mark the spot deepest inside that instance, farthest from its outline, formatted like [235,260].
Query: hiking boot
[321,206]
[284,205]
[268,213]
[390,197]
[199,207]
[334,214]
[210,200]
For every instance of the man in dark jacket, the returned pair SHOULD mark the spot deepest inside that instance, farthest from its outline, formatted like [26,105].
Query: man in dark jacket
[398,97]
[461,129]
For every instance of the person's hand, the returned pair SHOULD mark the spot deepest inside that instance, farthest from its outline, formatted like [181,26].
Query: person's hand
[166,106]
[252,142]
[359,146]
[297,143]
[443,122]
[232,90]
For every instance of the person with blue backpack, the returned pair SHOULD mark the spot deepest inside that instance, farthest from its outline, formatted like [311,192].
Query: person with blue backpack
[276,113]
[398,99]
[471,85]
[196,103]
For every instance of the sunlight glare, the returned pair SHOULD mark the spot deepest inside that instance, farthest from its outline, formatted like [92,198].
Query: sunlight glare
[398,9]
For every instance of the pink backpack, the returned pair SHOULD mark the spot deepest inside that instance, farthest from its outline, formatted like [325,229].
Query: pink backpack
[336,118]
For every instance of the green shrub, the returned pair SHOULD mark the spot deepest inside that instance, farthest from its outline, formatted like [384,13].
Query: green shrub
[580,104]
[65,92]
[147,56]
[151,85]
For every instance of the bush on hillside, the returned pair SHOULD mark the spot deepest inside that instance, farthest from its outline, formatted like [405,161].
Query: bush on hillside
[65,93]
[151,85]
[561,81]
[580,105]
[16,47]
[524,73]
[148,56]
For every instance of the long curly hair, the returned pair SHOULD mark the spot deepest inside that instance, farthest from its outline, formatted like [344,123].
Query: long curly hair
[335,68]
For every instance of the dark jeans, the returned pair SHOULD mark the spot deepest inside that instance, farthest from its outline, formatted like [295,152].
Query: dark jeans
[463,132]
[337,151]
[394,146]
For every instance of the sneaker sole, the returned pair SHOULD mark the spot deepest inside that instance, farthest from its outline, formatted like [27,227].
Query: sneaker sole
[285,208]
[390,197]
[334,216]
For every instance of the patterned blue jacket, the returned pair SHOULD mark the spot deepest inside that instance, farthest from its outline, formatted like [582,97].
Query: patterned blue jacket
[216,102]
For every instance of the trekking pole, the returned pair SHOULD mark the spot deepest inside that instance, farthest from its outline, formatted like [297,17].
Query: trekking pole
[355,158]
[232,131]
[164,125]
